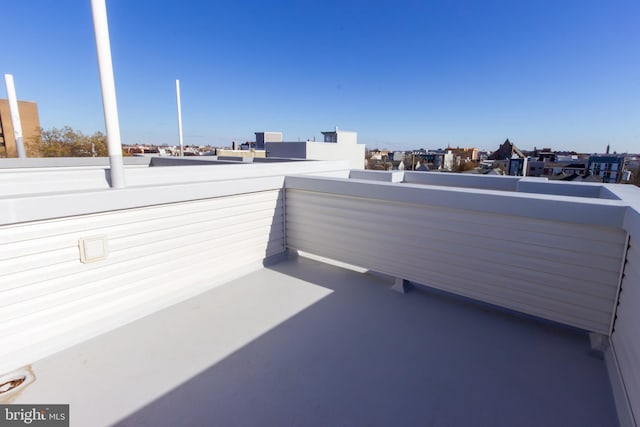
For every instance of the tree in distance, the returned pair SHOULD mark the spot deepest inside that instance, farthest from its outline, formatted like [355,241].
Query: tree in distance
[66,142]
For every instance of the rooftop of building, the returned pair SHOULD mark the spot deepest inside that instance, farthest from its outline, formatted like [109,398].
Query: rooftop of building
[197,309]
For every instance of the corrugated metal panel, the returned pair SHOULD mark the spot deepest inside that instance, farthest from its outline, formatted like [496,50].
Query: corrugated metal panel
[626,333]
[157,255]
[556,270]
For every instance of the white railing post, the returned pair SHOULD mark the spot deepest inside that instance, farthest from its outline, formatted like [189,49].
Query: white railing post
[107,84]
[179,118]
[15,115]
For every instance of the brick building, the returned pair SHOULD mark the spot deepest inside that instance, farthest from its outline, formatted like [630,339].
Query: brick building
[30,126]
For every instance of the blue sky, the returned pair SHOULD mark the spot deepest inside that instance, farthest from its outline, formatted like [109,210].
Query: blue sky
[403,74]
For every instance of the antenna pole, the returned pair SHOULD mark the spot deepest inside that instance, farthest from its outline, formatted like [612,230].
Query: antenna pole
[179,118]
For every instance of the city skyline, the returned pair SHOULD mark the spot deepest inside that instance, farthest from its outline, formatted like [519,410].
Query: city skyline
[403,75]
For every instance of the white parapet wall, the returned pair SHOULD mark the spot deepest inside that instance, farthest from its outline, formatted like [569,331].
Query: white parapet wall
[148,246]
[624,360]
[445,179]
[554,257]
[16,182]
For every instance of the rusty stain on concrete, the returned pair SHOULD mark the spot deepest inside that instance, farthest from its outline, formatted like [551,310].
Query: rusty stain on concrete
[13,384]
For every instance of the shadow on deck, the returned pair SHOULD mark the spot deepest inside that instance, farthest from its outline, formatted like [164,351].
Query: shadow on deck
[306,343]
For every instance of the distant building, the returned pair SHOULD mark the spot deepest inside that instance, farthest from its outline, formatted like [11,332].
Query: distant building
[379,154]
[398,156]
[559,167]
[543,155]
[506,151]
[225,152]
[337,145]
[577,168]
[436,160]
[464,154]
[341,137]
[536,167]
[607,167]
[517,166]
[28,119]
[514,159]
[264,137]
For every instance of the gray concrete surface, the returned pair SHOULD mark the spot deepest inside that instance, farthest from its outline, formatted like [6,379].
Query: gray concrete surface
[308,344]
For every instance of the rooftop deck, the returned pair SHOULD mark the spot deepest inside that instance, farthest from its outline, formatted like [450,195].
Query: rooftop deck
[307,343]
[151,305]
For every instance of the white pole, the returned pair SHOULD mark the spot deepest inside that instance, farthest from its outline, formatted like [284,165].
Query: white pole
[108,86]
[179,118]
[15,115]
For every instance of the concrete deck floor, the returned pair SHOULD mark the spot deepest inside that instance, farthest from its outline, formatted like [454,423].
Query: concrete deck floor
[303,343]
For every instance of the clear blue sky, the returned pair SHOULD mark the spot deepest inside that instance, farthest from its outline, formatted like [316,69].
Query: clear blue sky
[403,74]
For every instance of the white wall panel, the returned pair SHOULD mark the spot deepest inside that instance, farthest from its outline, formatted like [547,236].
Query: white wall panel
[158,255]
[626,333]
[557,270]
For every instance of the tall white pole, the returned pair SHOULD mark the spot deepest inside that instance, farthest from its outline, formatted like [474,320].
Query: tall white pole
[179,118]
[15,115]
[107,83]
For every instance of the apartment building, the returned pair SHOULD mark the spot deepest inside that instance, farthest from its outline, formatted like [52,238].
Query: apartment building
[29,120]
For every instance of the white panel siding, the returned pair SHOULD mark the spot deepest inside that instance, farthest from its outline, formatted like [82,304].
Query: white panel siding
[158,255]
[626,333]
[561,271]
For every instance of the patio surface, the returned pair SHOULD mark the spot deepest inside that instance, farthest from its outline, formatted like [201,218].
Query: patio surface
[303,343]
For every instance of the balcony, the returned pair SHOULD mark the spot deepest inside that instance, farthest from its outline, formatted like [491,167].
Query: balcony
[267,295]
